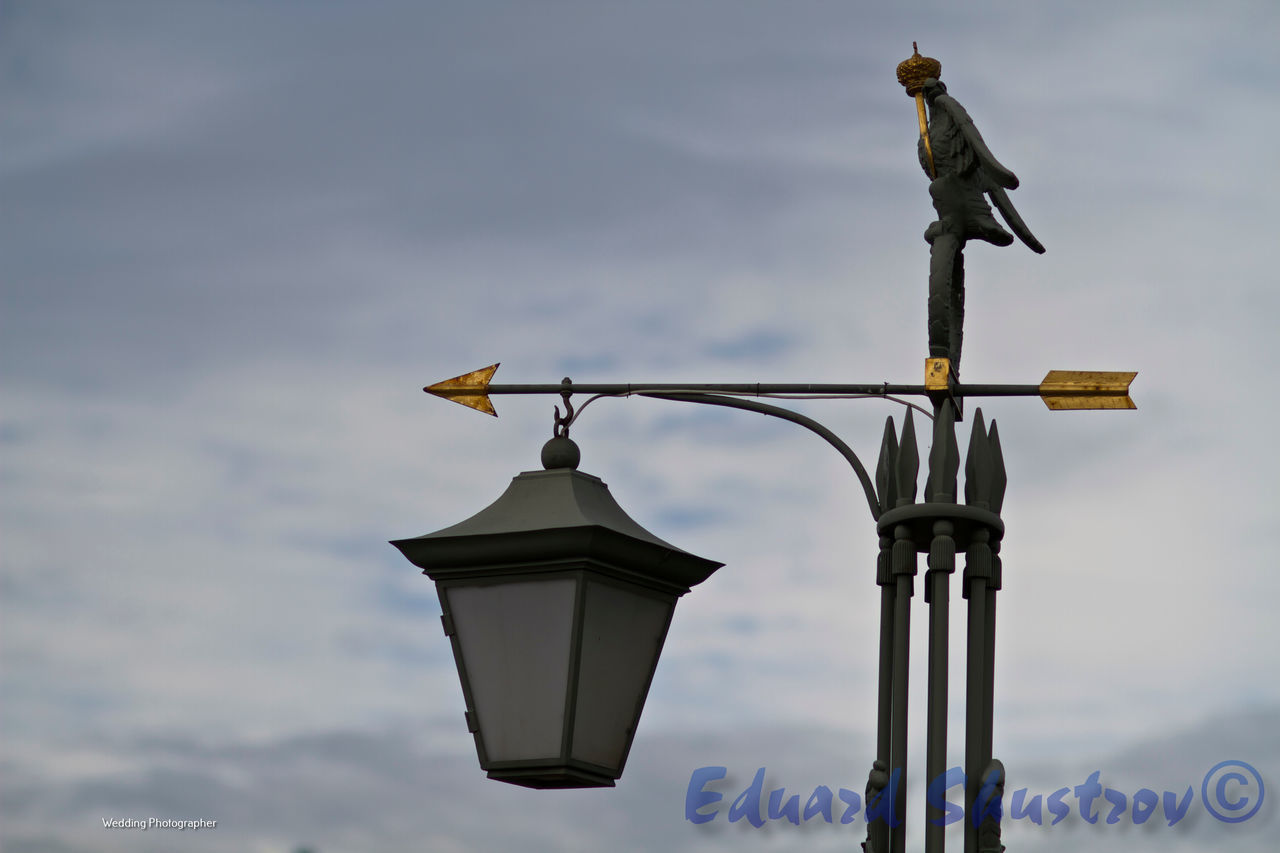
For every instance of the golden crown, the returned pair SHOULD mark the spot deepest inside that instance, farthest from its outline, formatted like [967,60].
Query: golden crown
[914,71]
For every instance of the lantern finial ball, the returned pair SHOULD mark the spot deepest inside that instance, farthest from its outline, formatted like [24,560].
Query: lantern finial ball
[560,452]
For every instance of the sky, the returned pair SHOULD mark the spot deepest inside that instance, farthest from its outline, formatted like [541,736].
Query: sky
[236,240]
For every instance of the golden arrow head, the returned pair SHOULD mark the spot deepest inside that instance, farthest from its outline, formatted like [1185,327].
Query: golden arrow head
[1087,389]
[469,389]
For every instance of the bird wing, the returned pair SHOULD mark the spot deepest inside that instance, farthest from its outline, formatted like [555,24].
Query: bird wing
[995,177]
[991,166]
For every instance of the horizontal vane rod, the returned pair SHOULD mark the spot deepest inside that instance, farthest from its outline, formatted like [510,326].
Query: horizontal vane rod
[1060,389]
[749,388]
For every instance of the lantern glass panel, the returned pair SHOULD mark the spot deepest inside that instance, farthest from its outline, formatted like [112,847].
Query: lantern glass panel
[622,635]
[515,644]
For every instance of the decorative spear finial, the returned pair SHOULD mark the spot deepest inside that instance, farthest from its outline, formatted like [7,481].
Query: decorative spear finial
[912,72]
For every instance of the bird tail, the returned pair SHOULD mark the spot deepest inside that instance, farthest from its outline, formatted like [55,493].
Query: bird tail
[1010,214]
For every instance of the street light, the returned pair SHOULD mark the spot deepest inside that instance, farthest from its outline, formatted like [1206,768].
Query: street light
[557,604]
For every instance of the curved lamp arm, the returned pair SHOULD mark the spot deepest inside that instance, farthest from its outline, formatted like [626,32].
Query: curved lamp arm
[796,418]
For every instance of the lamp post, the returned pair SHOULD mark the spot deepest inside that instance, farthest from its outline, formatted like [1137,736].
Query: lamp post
[557,603]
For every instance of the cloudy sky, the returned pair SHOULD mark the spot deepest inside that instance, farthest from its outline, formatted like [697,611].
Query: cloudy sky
[237,238]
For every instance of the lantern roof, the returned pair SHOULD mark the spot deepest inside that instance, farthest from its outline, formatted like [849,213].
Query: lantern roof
[546,518]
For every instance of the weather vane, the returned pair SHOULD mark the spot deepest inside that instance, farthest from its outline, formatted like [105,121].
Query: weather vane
[963,173]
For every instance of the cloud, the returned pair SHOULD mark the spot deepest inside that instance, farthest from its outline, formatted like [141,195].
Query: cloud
[239,238]
[385,789]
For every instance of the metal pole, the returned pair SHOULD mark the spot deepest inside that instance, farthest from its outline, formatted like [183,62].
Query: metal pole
[885,685]
[904,569]
[878,831]
[942,562]
[975,690]
[940,492]
[989,658]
